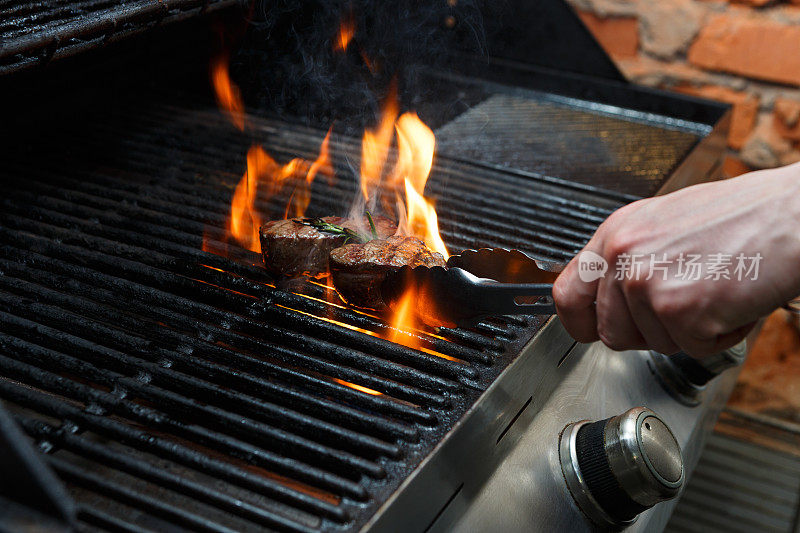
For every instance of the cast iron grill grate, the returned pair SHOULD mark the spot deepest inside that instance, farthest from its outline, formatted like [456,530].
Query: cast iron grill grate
[33,33]
[175,388]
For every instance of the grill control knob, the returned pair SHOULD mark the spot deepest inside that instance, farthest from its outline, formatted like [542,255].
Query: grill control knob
[618,467]
[701,371]
[684,376]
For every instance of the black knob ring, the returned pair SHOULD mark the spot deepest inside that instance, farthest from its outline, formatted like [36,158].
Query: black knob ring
[576,482]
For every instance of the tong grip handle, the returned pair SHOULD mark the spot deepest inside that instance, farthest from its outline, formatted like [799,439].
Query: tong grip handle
[501,298]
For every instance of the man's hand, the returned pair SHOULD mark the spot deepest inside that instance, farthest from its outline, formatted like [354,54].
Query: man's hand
[656,304]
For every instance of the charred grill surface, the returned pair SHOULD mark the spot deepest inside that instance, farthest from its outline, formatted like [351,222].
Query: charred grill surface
[173,387]
[34,33]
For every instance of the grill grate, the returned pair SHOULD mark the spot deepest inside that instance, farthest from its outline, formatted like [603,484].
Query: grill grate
[175,388]
[33,33]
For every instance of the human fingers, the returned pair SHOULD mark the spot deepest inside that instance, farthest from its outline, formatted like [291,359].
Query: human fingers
[615,324]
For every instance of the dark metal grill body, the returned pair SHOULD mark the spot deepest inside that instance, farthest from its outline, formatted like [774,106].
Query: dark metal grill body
[197,374]
[173,388]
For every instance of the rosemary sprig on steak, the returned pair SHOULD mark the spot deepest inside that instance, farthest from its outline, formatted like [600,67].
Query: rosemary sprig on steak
[372,226]
[333,229]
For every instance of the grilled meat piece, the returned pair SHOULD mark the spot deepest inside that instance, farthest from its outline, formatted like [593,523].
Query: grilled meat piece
[358,270]
[291,248]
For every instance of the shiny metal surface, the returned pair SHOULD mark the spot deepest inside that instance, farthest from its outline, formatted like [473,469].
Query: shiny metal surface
[660,449]
[471,453]
[725,359]
[568,455]
[686,388]
[631,462]
[527,492]
[673,380]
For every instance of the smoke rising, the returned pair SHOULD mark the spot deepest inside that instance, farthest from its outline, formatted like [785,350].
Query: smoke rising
[289,62]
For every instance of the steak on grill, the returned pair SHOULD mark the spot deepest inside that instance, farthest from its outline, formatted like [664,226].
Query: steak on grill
[358,270]
[292,248]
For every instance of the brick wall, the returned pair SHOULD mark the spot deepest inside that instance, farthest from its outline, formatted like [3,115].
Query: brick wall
[744,52]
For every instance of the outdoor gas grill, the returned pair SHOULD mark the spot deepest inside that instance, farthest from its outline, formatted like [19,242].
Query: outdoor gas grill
[171,388]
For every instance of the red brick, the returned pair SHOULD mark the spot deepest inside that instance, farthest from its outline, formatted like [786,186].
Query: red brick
[787,118]
[755,3]
[745,109]
[646,71]
[732,166]
[619,36]
[765,148]
[751,46]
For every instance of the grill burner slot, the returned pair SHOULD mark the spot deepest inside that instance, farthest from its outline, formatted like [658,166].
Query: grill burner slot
[171,386]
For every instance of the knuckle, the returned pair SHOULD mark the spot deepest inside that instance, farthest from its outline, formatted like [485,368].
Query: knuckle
[636,286]
[670,307]
[561,292]
[609,335]
[666,348]
[610,340]
[666,309]
[621,242]
[709,329]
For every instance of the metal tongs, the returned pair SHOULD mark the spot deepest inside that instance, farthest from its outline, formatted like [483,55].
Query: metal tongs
[476,284]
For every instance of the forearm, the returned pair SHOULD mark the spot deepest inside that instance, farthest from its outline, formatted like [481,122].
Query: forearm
[791,181]
[780,224]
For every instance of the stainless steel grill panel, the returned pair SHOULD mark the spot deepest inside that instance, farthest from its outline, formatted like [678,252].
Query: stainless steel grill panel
[606,147]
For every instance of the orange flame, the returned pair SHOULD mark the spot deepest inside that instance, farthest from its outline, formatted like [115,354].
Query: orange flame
[229,98]
[422,220]
[264,178]
[415,151]
[347,29]
[245,218]
[359,388]
[375,146]
[416,144]
[263,173]
[323,163]
[403,319]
